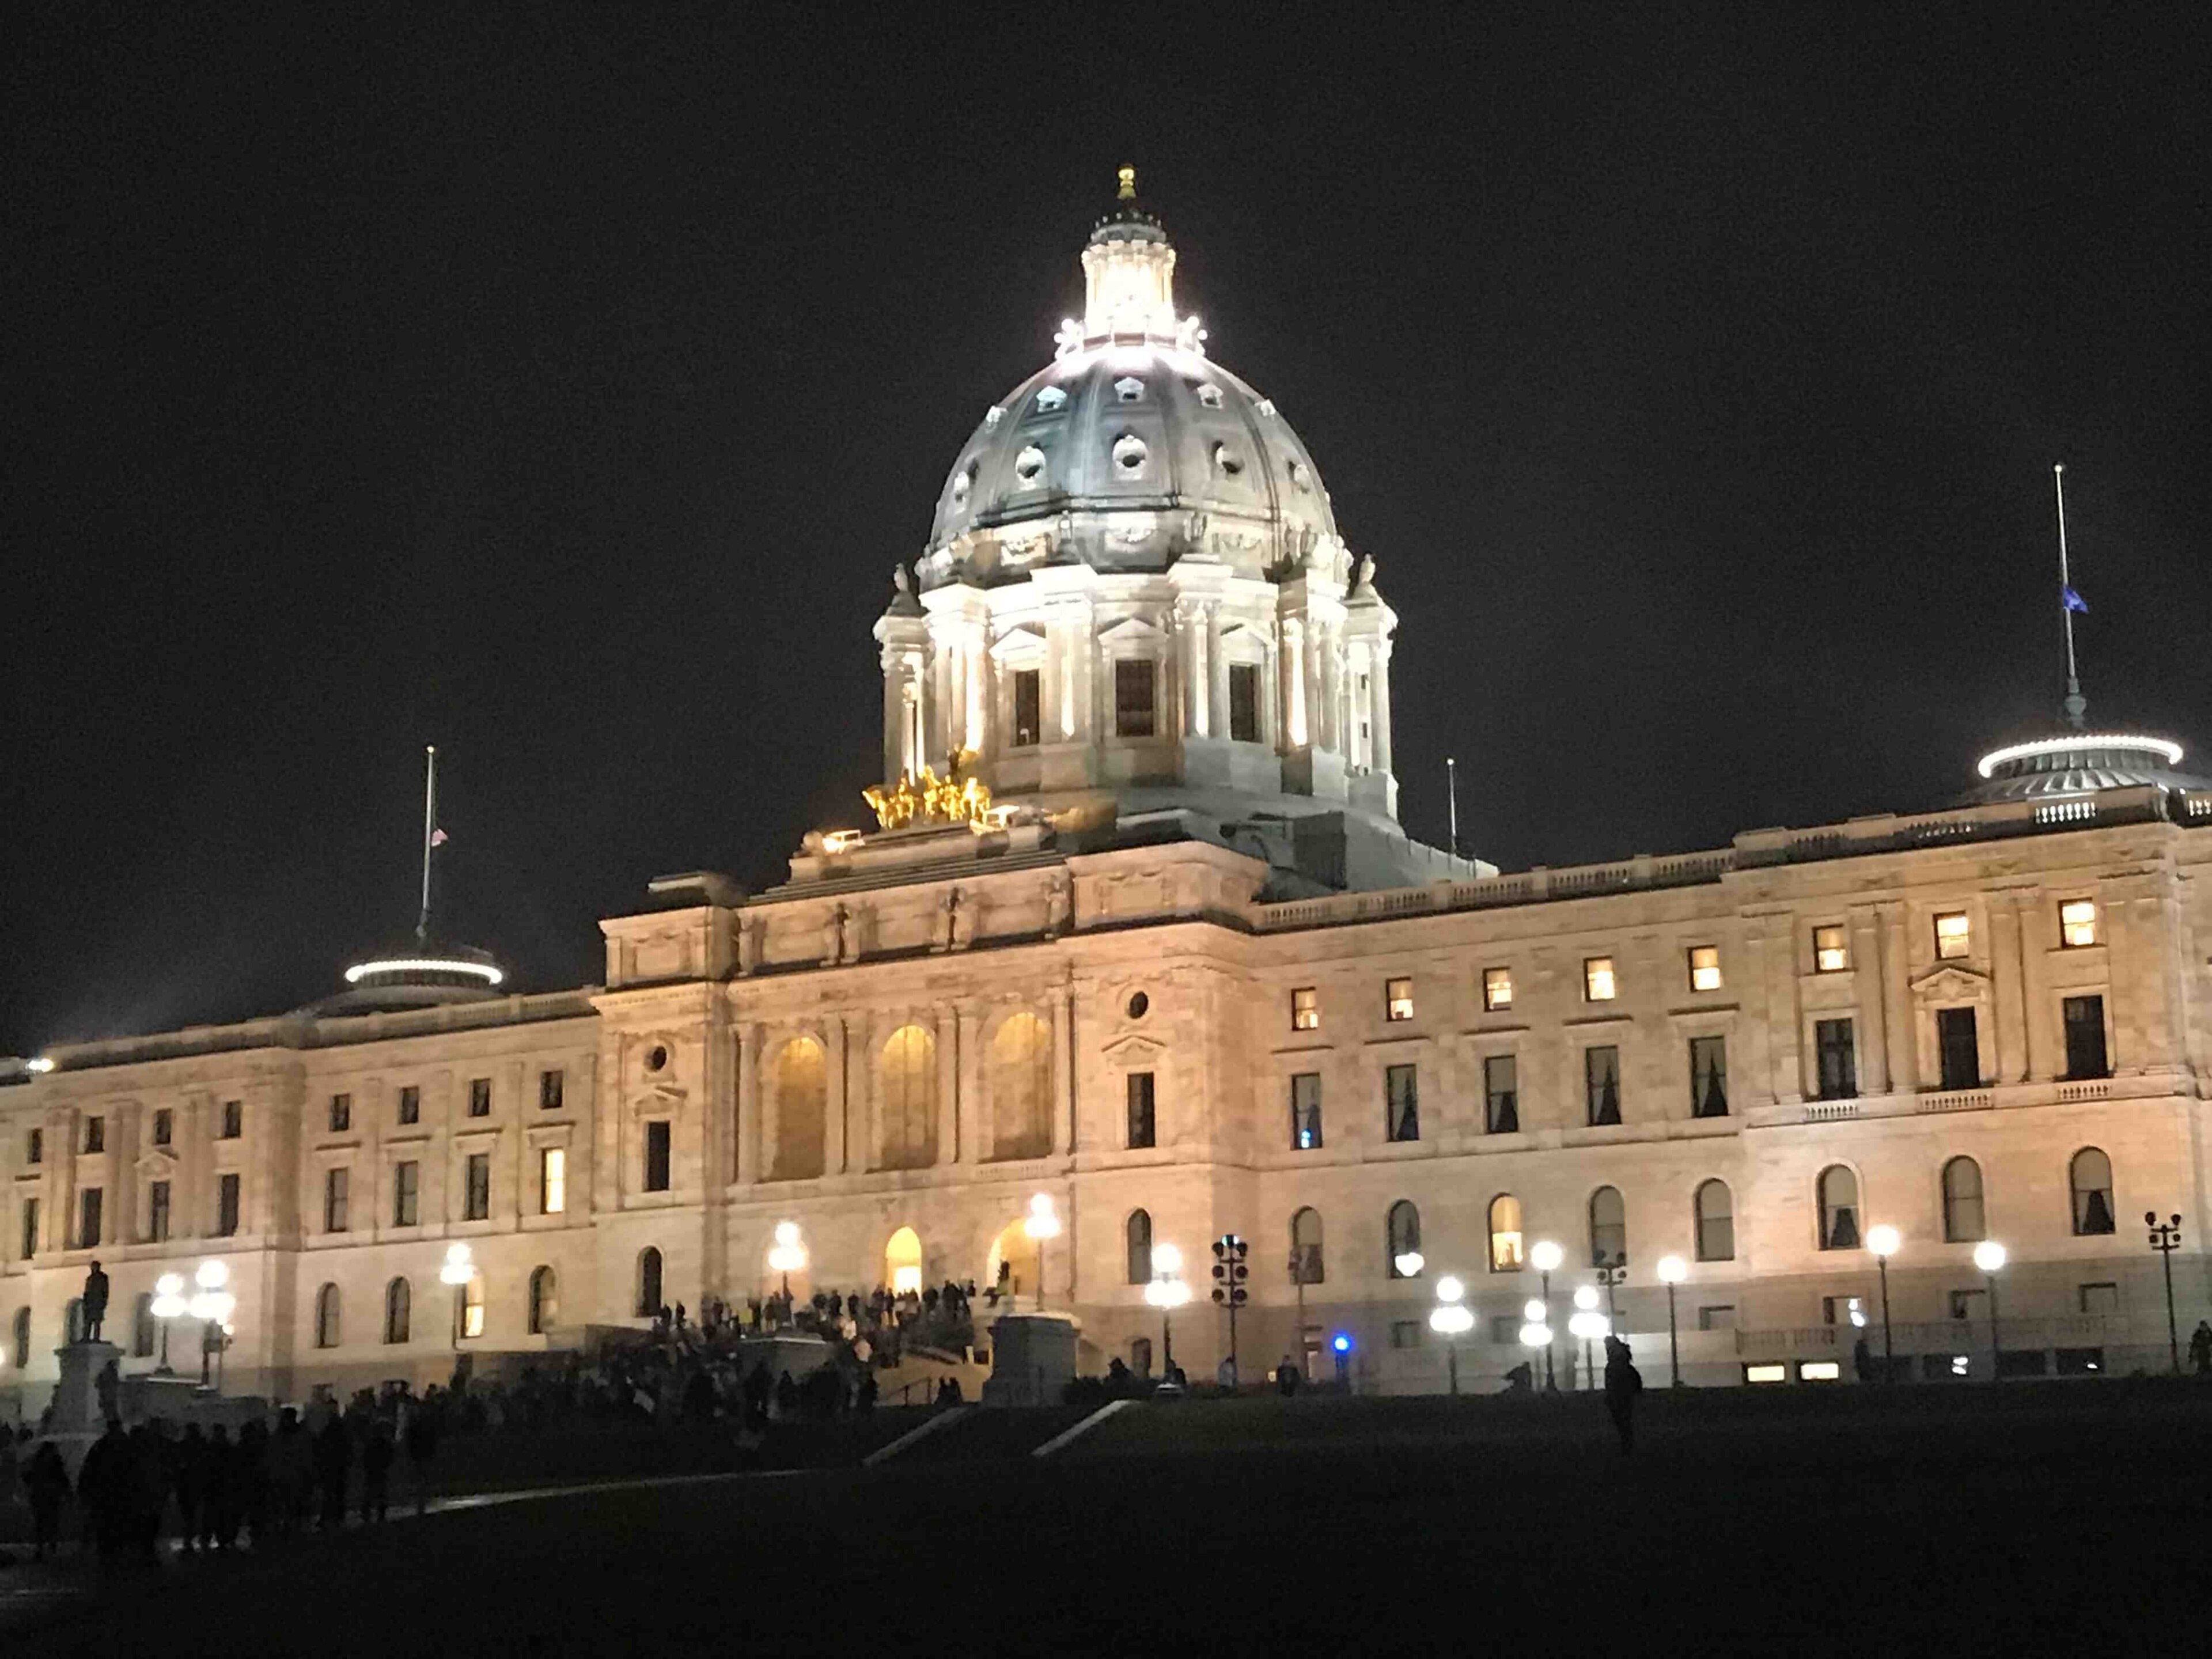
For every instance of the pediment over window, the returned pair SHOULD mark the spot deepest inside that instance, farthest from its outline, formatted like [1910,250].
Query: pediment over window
[1130,630]
[1951,983]
[157,1162]
[1017,643]
[1133,1050]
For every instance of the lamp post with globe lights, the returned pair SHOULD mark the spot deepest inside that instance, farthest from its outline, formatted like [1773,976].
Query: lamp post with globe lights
[2165,1239]
[1989,1257]
[169,1303]
[1672,1270]
[457,1270]
[1612,1271]
[212,1304]
[1588,1323]
[1536,1333]
[1167,1291]
[1043,1222]
[1544,1255]
[787,1257]
[1884,1241]
[1451,1320]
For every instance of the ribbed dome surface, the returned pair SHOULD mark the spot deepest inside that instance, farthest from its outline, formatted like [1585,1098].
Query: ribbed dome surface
[2079,763]
[1127,427]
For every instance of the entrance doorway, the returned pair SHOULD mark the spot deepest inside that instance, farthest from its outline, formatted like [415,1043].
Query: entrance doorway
[903,1262]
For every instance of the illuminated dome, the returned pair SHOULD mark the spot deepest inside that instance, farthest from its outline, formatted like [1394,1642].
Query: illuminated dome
[1132,448]
[417,974]
[2080,763]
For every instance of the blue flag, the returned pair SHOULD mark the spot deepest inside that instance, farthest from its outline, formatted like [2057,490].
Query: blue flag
[2070,600]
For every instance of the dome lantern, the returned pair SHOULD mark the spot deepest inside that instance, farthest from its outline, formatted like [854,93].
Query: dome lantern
[1128,272]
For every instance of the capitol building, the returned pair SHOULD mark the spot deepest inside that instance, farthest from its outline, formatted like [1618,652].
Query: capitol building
[1131,923]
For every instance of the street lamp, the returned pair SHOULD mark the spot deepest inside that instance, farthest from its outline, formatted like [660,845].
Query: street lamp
[1588,1323]
[1884,1243]
[169,1303]
[1409,1263]
[1672,1270]
[1989,1257]
[1610,1273]
[1451,1320]
[2165,1239]
[1545,1255]
[787,1255]
[212,1304]
[1041,1222]
[1167,1293]
[458,1268]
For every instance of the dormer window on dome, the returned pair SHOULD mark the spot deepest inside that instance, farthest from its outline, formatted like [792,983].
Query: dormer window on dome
[962,482]
[1301,475]
[1227,461]
[1029,465]
[1050,399]
[1208,393]
[1129,451]
[1130,389]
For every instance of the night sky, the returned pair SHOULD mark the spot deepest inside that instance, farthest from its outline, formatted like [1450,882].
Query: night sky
[559,387]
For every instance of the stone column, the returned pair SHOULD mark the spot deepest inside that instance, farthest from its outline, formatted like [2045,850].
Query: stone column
[968,1099]
[1783,1015]
[1063,1081]
[747,1068]
[2010,1009]
[1216,671]
[1270,699]
[1380,705]
[1298,731]
[1754,1066]
[948,1086]
[1901,1035]
[1330,668]
[1873,1055]
[833,1134]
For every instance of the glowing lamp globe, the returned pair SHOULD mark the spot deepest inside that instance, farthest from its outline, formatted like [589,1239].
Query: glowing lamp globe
[1041,1221]
[1448,1289]
[1535,1311]
[1452,1319]
[1409,1264]
[1166,1259]
[1546,1256]
[1884,1240]
[1588,1325]
[169,1301]
[1535,1335]
[1586,1296]
[1988,1256]
[1672,1270]
[459,1267]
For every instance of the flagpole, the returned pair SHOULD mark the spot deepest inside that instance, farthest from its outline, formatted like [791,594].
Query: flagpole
[2076,703]
[429,826]
[1451,788]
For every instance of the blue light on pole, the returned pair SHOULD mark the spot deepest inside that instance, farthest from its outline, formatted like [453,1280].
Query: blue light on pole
[1341,1343]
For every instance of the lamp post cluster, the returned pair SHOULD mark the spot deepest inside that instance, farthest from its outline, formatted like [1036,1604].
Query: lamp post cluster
[1167,1291]
[787,1255]
[1451,1320]
[2165,1239]
[1229,1273]
[212,1304]
[458,1269]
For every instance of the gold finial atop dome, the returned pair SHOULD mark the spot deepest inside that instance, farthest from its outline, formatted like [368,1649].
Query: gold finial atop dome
[1128,190]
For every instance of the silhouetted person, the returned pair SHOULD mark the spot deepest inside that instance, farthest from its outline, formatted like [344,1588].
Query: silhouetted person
[1863,1360]
[2200,1348]
[189,1465]
[92,1312]
[1287,1377]
[786,1396]
[289,1472]
[216,1501]
[103,1487]
[422,1447]
[1623,1383]
[148,1494]
[1521,1379]
[377,1452]
[333,1458]
[46,1482]
[245,1495]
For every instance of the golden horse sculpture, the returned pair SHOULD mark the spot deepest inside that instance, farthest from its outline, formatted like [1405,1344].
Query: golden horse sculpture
[931,799]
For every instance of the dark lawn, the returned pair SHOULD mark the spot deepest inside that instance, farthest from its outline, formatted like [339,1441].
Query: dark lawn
[2032,1520]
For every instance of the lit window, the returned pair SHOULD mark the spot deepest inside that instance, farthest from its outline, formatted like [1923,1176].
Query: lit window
[1767,1373]
[2077,922]
[1955,935]
[473,1307]
[1831,955]
[1305,1010]
[1305,1111]
[1497,989]
[1597,979]
[1505,1254]
[1399,995]
[552,1181]
[1819,1371]
[1704,968]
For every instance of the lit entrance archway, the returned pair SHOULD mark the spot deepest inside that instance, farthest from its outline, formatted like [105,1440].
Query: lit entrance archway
[1017,1252]
[903,1262]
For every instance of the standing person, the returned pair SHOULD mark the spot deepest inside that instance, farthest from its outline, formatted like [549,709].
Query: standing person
[376,1455]
[192,1473]
[216,1500]
[289,1472]
[246,1495]
[1623,1383]
[11,1469]
[333,1458]
[2200,1348]
[422,1447]
[46,1482]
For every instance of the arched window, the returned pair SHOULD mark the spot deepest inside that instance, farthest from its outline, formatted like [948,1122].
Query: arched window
[1021,1088]
[544,1301]
[1505,1234]
[1138,1235]
[1715,1217]
[648,1283]
[2090,1175]
[22,1338]
[326,1317]
[1140,1355]
[1403,1229]
[142,1327]
[907,1101]
[1962,1202]
[399,1310]
[1608,1227]
[802,1106]
[1307,1266]
[1839,1208]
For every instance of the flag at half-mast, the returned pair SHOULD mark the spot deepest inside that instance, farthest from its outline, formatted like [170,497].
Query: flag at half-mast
[2067,600]
[438,837]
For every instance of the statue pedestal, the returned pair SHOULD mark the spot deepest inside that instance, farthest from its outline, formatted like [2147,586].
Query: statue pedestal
[76,1396]
[1032,1359]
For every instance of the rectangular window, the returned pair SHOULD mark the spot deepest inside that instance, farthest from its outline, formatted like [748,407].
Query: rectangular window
[157,1212]
[1716,1316]
[341,1113]
[1305,1111]
[477,1190]
[1029,709]
[2102,1298]
[551,1085]
[1398,998]
[479,1096]
[1958,1048]
[35,1146]
[1954,936]
[1243,702]
[656,1156]
[1830,953]
[1501,1091]
[226,1206]
[1140,1109]
[2084,1037]
[1597,979]
[1970,1305]
[1835,1043]
[30,1227]
[1305,1010]
[95,1134]
[1709,1077]
[1401,1104]
[406,1193]
[1704,968]
[162,1120]
[1133,696]
[1601,1085]
[410,1104]
[2077,923]
[233,1119]
[1405,1332]
[90,1200]
[552,1181]
[1497,989]
[338,1196]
